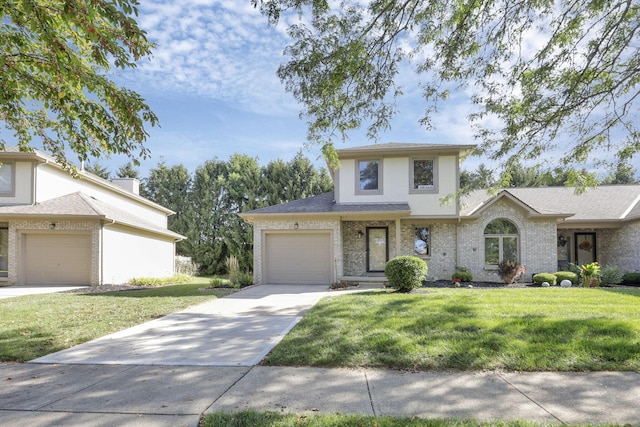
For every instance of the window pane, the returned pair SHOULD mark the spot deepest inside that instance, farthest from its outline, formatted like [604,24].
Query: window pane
[422,174]
[510,249]
[369,175]
[6,175]
[491,251]
[501,226]
[4,251]
[421,241]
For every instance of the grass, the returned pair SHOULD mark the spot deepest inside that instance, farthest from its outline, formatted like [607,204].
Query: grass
[274,419]
[36,325]
[538,329]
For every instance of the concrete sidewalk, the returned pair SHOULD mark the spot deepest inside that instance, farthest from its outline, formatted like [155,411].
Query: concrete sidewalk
[118,395]
[237,330]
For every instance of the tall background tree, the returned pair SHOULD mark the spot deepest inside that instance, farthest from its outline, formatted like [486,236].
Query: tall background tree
[208,202]
[546,76]
[54,60]
[171,187]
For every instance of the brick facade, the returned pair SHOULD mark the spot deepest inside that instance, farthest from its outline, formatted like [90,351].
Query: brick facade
[537,242]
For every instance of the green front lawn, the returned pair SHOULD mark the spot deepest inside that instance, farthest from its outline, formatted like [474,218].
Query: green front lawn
[36,325]
[535,329]
[274,419]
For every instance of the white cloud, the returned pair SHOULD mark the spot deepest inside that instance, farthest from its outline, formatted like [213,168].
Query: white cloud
[222,50]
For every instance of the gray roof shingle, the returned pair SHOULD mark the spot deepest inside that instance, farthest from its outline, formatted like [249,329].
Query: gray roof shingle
[80,205]
[603,203]
[324,203]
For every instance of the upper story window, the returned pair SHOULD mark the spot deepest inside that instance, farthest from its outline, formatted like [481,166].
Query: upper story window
[369,179]
[500,242]
[7,179]
[422,175]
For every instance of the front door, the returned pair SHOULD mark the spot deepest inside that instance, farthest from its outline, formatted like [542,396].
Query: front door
[585,244]
[377,249]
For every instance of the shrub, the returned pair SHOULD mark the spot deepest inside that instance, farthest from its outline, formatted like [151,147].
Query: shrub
[631,279]
[574,268]
[176,279]
[610,276]
[509,271]
[462,276]
[216,282]
[540,278]
[405,272]
[566,275]
[245,279]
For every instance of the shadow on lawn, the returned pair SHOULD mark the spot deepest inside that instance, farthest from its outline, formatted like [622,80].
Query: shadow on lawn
[454,336]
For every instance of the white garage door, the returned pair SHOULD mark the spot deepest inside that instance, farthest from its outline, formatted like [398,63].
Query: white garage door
[303,258]
[57,259]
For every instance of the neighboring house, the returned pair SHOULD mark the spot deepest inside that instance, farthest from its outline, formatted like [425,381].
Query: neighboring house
[388,201]
[60,230]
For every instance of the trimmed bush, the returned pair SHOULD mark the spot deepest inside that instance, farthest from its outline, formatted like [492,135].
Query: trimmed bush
[462,276]
[509,271]
[631,279]
[405,273]
[566,275]
[610,276]
[540,278]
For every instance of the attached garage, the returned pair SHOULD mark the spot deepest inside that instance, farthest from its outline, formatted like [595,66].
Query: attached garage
[57,259]
[297,258]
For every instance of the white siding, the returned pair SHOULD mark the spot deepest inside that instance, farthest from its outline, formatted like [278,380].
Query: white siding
[53,182]
[395,186]
[129,253]
[23,185]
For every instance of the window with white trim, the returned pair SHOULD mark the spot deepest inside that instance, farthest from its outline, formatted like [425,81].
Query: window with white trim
[500,242]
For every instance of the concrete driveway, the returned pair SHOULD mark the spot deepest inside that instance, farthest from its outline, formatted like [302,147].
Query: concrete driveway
[18,291]
[237,330]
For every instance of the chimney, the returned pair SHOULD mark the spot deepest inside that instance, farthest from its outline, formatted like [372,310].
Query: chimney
[132,185]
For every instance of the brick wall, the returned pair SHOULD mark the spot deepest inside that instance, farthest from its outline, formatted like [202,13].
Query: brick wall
[619,247]
[355,250]
[442,258]
[537,242]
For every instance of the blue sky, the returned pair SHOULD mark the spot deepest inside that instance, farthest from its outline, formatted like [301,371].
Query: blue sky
[212,82]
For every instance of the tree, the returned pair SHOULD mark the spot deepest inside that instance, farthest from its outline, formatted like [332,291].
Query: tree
[170,187]
[559,77]
[623,174]
[206,238]
[54,61]
[128,171]
[98,170]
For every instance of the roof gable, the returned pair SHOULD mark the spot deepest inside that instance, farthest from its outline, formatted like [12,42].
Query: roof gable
[603,203]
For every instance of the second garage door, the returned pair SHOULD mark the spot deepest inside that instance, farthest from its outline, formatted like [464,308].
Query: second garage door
[296,258]
[57,259]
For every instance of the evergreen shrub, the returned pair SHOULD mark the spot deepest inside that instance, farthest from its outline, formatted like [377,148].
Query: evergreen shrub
[406,272]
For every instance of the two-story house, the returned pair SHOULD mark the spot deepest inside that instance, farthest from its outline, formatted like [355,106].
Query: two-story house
[388,201]
[59,230]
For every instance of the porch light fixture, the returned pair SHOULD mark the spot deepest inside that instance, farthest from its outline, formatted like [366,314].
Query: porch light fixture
[295,225]
[360,234]
[562,240]
[52,226]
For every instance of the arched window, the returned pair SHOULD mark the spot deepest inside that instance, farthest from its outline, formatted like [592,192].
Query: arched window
[500,242]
